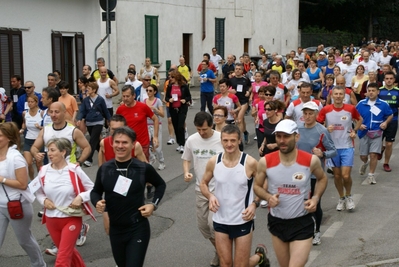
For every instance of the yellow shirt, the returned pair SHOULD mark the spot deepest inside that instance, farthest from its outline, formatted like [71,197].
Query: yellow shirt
[185,71]
[357,83]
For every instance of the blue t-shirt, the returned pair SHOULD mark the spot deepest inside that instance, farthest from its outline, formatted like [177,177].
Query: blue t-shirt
[315,75]
[207,86]
[392,98]
[322,63]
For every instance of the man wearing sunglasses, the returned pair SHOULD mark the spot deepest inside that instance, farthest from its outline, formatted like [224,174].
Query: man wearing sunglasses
[22,105]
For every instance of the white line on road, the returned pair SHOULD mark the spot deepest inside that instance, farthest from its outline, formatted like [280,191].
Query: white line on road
[332,229]
[312,256]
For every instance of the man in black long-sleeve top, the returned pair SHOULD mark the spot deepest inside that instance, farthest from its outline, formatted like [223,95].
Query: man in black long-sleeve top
[122,180]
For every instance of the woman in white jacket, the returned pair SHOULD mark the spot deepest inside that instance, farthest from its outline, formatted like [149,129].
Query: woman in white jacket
[14,179]
[64,191]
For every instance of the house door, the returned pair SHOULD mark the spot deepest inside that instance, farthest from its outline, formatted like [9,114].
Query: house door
[186,48]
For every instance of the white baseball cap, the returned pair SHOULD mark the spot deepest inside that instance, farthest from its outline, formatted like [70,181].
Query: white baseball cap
[310,105]
[287,126]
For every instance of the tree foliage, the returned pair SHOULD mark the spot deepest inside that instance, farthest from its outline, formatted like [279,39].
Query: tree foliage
[352,16]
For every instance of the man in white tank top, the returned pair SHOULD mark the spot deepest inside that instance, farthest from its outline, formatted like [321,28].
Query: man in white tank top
[60,128]
[107,89]
[287,174]
[149,70]
[233,219]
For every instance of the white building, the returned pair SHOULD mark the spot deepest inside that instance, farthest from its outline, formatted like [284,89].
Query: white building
[39,36]
[165,29]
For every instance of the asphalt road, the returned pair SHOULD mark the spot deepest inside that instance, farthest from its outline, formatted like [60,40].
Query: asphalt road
[365,237]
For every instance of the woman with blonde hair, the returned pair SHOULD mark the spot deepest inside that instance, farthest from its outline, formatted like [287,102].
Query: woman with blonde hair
[64,193]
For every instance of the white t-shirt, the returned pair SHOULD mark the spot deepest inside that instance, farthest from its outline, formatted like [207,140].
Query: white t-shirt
[285,78]
[13,194]
[215,60]
[305,76]
[368,66]
[59,189]
[199,150]
[350,72]
[135,84]
[384,60]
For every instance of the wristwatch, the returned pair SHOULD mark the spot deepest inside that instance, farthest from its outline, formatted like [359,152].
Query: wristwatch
[257,203]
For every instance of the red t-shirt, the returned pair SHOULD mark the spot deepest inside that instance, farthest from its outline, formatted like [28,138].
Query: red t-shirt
[176,91]
[136,118]
[109,149]
[211,66]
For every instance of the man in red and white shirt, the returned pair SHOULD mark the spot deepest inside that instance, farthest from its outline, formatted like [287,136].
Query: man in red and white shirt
[338,118]
[294,110]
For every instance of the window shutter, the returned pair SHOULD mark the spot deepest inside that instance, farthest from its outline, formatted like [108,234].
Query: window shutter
[219,36]
[11,57]
[80,54]
[57,51]
[151,38]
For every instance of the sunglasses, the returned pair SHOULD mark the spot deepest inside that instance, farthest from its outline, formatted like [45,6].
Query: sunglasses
[28,87]
[269,95]
[147,80]
[149,91]
[269,109]
[218,116]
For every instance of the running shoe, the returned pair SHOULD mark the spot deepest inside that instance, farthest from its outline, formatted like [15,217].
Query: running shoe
[371,179]
[87,163]
[82,236]
[181,149]
[316,239]
[387,168]
[255,138]
[171,141]
[51,251]
[341,204]
[215,261]
[161,166]
[263,204]
[349,203]
[261,251]
[178,148]
[330,171]
[363,168]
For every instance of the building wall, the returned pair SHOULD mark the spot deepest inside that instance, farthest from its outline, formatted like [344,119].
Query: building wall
[37,19]
[272,23]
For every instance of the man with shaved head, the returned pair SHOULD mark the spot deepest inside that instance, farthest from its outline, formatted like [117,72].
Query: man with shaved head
[185,70]
[107,89]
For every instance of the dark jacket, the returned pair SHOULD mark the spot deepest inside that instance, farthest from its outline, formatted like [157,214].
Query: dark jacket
[185,94]
[92,113]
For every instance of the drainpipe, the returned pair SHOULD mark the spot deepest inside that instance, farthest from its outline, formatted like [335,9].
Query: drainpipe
[203,19]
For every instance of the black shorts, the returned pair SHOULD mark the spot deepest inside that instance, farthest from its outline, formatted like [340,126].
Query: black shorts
[28,144]
[235,231]
[390,132]
[288,230]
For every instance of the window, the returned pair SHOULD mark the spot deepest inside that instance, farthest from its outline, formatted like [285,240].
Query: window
[219,36]
[64,48]
[11,59]
[151,38]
